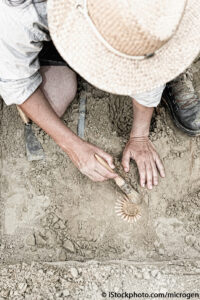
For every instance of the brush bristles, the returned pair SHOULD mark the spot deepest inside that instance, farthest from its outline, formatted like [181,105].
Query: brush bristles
[127,210]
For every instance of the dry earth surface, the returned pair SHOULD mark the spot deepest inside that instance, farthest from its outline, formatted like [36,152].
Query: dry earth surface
[52,213]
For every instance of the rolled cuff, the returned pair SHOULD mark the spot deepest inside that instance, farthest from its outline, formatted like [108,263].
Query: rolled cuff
[151,98]
[18,91]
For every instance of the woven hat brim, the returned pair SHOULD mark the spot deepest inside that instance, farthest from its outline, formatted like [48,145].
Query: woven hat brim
[78,44]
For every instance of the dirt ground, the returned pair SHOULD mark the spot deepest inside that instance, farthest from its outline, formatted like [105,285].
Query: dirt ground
[50,212]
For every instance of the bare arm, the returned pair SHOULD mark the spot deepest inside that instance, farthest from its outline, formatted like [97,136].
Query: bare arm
[141,120]
[141,149]
[38,109]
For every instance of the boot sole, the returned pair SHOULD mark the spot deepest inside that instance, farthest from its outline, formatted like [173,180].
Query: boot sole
[176,121]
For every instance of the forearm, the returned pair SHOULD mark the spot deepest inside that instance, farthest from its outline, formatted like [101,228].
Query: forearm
[141,120]
[38,109]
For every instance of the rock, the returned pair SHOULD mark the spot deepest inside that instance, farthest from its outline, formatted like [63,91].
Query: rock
[154,273]
[161,251]
[61,224]
[158,275]
[197,246]
[69,246]
[30,240]
[74,272]
[39,240]
[156,244]
[65,293]
[190,240]
[5,293]
[22,287]
[55,219]
[56,226]
[62,254]
[138,275]
[51,238]
[146,275]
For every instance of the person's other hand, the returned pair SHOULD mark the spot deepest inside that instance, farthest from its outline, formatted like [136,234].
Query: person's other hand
[148,161]
[83,157]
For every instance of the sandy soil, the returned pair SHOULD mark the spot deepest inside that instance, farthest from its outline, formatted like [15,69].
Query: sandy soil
[94,280]
[50,212]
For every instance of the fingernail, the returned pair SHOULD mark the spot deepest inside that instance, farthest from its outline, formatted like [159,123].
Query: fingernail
[143,185]
[150,187]
[126,169]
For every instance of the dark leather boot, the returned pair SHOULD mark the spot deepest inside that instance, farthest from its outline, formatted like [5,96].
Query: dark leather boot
[184,103]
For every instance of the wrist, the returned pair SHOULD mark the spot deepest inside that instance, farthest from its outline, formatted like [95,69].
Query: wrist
[69,142]
[139,133]
[139,139]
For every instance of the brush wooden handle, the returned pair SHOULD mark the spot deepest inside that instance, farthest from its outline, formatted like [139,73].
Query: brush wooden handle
[122,184]
[119,180]
[25,119]
[103,163]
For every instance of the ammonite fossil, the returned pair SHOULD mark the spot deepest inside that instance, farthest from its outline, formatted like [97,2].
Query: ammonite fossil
[127,210]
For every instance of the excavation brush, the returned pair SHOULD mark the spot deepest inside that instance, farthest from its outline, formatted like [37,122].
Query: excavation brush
[128,208]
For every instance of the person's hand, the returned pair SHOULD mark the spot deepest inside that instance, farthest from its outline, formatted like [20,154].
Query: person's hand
[82,155]
[148,162]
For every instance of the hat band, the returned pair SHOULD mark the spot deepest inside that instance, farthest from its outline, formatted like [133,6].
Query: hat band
[107,45]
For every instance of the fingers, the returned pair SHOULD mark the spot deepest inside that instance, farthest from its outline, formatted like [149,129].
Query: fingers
[96,177]
[149,174]
[104,172]
[126,160]
[97,172]
[158,161]
[148,162]
[159,165]
[142,173]
[154,172]
[108,158]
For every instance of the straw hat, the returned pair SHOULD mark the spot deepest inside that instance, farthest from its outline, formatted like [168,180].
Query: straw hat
[126,46]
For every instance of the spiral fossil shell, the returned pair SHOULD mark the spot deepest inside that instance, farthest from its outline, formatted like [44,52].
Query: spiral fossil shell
[127,210]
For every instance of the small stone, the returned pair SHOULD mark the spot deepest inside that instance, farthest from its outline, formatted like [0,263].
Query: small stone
[22,287]
[197,246]
[65,293]
[62,255]
[158,275]
[190,240]
[51,238]
[54,157]
[5,293]
[146,275]
[74,272]
[56,226]
[138,275]
[68,245]
[30,240]
[39,240]
[156,244]
[161,251]
[55,219]
[154,273]
[61,224]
